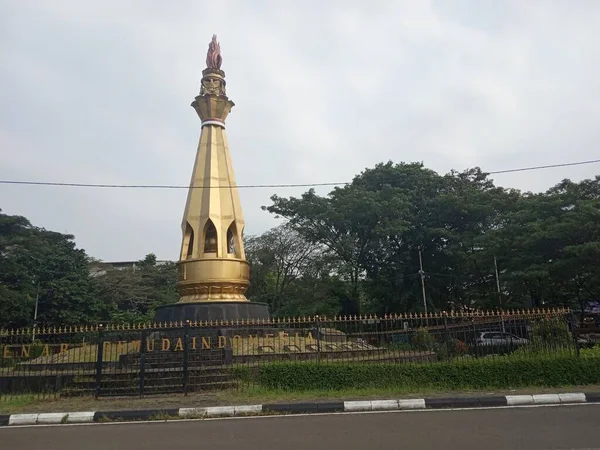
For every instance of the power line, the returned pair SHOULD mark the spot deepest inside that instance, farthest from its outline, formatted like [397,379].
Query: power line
[256,186]
[580,163]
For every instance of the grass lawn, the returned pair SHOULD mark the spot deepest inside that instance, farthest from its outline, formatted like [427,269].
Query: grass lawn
[249,395]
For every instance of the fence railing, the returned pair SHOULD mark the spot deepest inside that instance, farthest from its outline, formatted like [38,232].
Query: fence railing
[143,359]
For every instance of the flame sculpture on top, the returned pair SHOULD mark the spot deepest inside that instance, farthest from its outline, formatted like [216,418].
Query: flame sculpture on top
[213,57]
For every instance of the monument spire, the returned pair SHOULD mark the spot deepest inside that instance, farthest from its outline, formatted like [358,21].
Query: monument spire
[212,263]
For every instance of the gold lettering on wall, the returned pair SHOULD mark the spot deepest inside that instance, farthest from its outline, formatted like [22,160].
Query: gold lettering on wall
[179,345]
[268,339]
[121,346]
[135,346]
[237,341]
[25,350]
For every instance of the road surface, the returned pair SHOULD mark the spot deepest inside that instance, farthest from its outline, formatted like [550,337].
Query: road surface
[562,427]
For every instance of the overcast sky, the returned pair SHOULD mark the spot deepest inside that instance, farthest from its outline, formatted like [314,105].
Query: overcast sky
[100,92]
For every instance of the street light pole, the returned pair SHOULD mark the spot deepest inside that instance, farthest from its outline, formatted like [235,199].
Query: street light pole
[422,273]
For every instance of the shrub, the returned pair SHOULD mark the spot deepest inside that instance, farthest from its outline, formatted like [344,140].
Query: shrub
[593,352]
[551,334]
[242,373]
[423,341]
[453,349]
[505,372]
[548,336]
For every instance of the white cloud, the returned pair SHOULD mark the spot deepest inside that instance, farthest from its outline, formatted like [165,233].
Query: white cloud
[100,92]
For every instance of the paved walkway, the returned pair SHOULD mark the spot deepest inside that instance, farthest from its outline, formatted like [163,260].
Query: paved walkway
[547,428]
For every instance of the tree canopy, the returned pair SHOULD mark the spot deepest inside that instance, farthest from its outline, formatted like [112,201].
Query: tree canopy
[47,266]
[546,246]
[353,251]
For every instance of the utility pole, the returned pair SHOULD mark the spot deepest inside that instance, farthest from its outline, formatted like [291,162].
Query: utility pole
[498,288]
[35,313]
[422,273]
[497,280]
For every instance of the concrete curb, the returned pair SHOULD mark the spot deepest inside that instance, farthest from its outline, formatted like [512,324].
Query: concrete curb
[298,408]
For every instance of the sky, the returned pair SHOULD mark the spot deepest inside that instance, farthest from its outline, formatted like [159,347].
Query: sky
[100,92]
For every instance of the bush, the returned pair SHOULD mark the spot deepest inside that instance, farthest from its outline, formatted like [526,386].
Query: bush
[548,336]
[551,334]
[459,374]
[423,341]
[242,373]
[593,352]
[453,349]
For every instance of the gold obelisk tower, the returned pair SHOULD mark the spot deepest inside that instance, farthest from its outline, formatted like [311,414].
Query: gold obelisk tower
[212,263]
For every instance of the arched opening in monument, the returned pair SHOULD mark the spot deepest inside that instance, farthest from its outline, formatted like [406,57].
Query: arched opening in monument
[210,238]
[188,241]
[231,240]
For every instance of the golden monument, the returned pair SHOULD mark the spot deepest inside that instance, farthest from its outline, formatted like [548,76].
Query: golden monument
[212,265]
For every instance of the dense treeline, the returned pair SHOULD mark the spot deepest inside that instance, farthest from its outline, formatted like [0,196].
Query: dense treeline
[44,265]
[355,250]
[546,246]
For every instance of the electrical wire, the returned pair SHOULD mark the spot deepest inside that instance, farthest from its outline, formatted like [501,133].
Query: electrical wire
[257,186]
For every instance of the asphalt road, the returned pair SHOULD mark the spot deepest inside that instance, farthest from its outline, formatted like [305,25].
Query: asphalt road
[561,427]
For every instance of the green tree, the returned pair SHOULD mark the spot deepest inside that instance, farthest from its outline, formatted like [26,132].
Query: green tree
[348,223]
[36,263]
[131,295]
[550,246]
[290,274]
[376,225]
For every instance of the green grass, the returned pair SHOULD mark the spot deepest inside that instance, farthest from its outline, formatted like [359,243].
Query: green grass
[259,395]
[17,401]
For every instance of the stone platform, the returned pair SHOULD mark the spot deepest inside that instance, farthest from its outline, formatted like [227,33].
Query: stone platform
[207,311]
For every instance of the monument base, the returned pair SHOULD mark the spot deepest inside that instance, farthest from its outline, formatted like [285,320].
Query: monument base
[207,311]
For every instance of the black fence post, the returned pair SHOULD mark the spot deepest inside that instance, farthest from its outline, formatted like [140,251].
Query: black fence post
[143,344]
[447,336]
[186,354]
[574,334]
[99,359]
[474,330]
[318,323]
